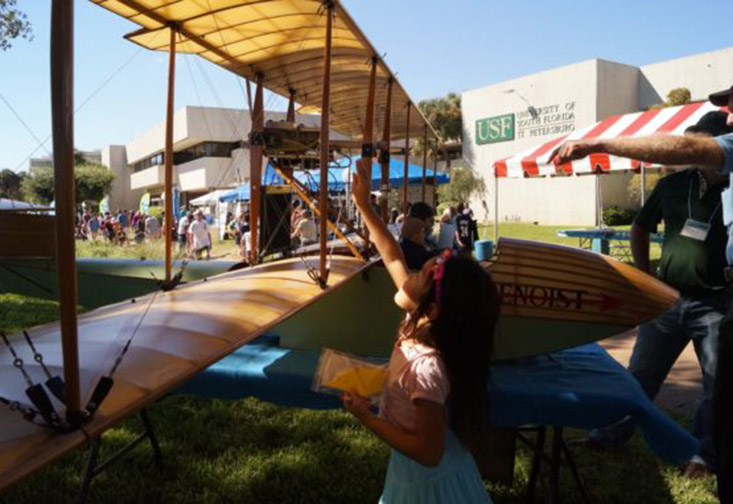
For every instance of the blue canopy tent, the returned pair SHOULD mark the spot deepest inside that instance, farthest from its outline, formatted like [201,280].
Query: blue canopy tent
[337,178]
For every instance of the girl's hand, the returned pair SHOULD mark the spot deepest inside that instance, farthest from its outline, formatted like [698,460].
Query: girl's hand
[360,191]
[356,405]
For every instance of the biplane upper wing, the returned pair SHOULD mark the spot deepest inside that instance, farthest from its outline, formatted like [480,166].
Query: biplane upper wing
[283,40]
[175,335]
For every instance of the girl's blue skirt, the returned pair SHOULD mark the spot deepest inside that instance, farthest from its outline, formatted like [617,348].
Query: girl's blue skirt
[455,480]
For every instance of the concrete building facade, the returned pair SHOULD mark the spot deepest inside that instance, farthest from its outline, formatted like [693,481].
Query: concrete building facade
[549,104]
[210,152]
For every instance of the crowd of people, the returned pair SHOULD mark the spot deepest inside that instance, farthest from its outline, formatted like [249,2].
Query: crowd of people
[458,231]
[126,227]
[119,228]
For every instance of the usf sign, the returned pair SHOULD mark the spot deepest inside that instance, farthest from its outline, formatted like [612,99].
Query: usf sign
[495,129]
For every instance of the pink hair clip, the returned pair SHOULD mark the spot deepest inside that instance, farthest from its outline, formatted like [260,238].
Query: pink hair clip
[439,272]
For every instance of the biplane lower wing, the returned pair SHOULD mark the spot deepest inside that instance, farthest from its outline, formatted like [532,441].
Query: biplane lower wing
[175,335]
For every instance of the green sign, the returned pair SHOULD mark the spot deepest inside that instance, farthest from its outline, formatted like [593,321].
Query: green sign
[495,129]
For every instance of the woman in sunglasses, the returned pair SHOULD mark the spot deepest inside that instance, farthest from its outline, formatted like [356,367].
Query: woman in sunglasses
[435,402]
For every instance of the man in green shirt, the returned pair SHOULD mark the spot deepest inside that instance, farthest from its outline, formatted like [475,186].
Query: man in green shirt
[693,262]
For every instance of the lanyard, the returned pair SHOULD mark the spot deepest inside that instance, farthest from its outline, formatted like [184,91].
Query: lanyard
[689,206]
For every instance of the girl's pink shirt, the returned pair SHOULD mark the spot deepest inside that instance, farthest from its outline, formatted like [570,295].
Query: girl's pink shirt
[415,371]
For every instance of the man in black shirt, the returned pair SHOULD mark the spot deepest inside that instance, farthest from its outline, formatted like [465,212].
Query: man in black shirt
[465,230]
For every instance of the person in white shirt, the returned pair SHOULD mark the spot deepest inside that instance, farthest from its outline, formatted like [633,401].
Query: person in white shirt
[306,229]
[200,235]
[152,228]
[183,225]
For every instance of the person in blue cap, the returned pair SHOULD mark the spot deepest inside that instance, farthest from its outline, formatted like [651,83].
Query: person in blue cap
[685,151]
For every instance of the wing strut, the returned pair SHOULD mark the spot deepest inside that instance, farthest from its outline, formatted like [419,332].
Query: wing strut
[384,154]
[168,224]
[367,147]
[424,162]
[405,185]
[325,116]
[256,146]
[62,105]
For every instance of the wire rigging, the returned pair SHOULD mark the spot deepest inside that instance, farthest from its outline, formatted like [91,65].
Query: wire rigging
[89,98]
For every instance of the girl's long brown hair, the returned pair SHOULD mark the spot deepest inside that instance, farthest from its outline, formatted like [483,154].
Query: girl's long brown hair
[463,334]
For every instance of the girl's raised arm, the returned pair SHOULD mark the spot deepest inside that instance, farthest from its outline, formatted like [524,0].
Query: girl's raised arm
[389,249]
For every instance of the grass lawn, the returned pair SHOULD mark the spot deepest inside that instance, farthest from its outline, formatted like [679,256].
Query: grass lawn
[250,451]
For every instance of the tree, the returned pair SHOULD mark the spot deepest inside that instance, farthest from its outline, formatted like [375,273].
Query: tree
[92,182]
[677,96]
[13,24]
[38,186]
[464,183]
[445,115]
[10,184]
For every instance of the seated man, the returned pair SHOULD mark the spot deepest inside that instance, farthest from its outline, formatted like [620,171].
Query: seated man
[413,244]
[305,231]
[693,262]
[426,214]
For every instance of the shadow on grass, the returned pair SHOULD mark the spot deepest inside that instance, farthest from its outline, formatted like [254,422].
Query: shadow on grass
[216,451]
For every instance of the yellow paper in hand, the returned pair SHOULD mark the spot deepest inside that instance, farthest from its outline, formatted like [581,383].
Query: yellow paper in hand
[365,381]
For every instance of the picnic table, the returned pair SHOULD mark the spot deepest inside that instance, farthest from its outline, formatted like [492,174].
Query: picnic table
[609,241]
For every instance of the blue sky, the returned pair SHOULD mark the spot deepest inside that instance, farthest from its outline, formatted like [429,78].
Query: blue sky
[434,46]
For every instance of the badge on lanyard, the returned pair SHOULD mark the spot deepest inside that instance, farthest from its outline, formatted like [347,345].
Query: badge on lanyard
[695,230]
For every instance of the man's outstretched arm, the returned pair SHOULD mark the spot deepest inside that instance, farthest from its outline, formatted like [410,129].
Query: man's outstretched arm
[661,149]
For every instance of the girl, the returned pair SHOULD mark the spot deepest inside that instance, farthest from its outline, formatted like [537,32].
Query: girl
[435,402]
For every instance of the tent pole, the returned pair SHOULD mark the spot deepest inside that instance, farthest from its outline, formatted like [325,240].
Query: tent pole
[255,168]
[367,146]
[385,152]
[325,114]
[496,208]
[62,109]
[291,106]
[168,157]
[424,161]
[643,184]
[406,178]
[435,179]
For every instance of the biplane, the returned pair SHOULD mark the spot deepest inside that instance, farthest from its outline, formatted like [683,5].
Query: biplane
[65,383]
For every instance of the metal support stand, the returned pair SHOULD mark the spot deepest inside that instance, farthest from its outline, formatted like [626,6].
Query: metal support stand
[559,449]
[93,468]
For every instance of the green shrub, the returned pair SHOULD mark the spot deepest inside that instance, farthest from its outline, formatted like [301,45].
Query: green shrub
[634,187]
[616,216]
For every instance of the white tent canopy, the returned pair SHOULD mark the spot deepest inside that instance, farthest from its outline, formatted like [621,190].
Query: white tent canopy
[210,199]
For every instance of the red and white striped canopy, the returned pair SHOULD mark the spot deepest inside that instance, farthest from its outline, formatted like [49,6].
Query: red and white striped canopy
[535,161]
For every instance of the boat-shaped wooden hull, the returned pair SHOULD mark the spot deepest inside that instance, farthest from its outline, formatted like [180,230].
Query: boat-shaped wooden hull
[556,297]
[553,297]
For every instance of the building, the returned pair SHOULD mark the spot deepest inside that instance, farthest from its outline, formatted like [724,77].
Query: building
[35,164]
[506,118]
[209,153]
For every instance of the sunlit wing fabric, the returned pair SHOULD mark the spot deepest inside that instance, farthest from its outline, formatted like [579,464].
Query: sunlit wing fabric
[284,40]
[176,335]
